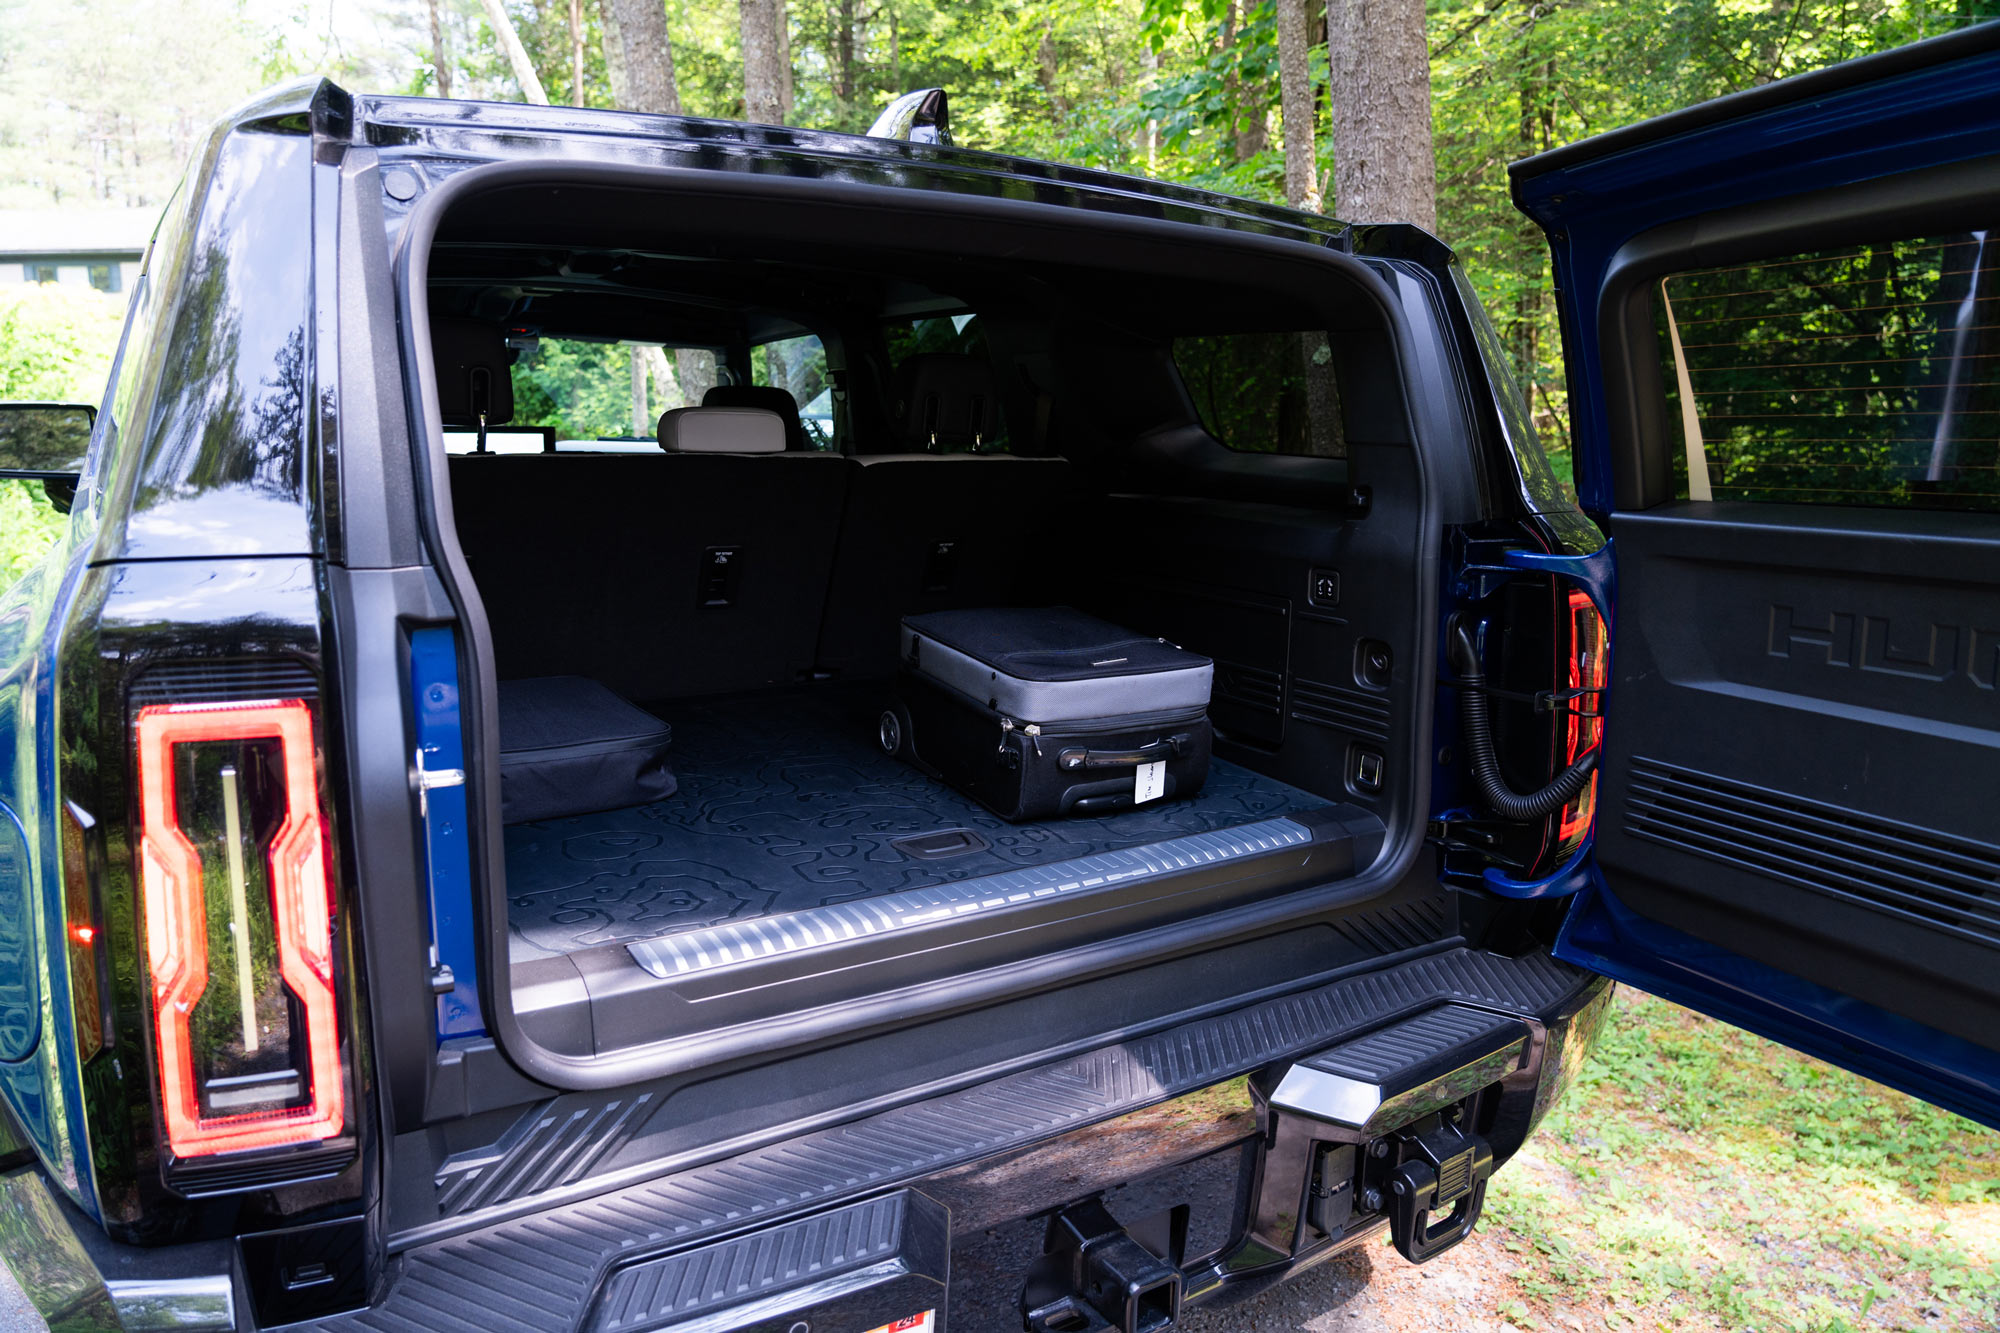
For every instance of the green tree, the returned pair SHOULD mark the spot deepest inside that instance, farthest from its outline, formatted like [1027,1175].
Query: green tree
[56,345]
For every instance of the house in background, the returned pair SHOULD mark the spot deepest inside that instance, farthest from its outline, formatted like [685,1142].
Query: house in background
[100,248]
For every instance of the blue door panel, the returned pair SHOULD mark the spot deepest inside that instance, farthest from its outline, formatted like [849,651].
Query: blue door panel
[1679,191]
[1602,934]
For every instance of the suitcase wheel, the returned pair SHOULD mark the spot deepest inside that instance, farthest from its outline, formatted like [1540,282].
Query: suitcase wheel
[893,730]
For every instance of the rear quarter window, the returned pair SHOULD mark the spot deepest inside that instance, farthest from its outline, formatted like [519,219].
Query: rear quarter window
[1264,393]
[1863,375]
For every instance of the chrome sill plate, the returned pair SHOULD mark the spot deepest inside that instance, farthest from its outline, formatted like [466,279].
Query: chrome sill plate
[695,951]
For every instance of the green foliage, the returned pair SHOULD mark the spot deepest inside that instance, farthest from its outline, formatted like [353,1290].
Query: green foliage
[29,526]
[1698,1177]
[582,389]
[56,345]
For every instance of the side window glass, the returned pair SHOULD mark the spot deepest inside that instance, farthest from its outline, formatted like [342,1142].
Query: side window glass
[1264,393]
[798,366]
[578,392]
[1864,375]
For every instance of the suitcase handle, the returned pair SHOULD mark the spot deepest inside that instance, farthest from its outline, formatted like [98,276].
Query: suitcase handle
[1169,747]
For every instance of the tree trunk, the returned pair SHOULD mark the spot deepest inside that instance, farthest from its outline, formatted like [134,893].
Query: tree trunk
[1295,103]
[1152,59]
[783,19]
[1231,90]
[695,368]
[1048,65]
[1384,165]
[895,50]
[614,54]
[763,83]
[843,55]
[639,55]
[517,54]
[642,410]
[576,97]
[438,61]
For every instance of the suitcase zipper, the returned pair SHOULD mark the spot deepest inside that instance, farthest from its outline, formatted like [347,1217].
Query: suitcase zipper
[1032,730]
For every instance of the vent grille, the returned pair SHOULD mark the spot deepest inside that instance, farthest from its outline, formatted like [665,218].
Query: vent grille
[1253,687]
[1353,711]
[223,682]
[1917,875]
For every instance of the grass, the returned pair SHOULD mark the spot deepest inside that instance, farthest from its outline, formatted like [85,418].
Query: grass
[1697,1177]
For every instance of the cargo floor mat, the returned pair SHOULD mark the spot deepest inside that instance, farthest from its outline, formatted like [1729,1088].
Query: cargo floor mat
[786,803]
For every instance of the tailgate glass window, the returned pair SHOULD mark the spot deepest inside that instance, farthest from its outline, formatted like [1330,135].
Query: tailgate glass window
[1863,375]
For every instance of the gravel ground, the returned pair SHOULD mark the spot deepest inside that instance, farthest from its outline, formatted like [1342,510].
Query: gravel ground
[16,1314]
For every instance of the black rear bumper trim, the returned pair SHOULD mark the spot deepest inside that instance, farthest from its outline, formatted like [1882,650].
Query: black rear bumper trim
[552,1261]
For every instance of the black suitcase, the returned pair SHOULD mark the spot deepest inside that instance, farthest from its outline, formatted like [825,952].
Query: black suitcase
[569,746]
[1038,712]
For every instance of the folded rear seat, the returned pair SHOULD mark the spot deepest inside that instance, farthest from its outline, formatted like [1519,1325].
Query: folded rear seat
[569,746]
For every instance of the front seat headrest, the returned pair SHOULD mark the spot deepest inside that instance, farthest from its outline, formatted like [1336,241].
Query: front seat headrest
[946,402]
[722,430]
[472,361]
[770,398]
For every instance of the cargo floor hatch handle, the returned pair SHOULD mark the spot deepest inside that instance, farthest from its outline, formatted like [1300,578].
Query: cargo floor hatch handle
[1169,747]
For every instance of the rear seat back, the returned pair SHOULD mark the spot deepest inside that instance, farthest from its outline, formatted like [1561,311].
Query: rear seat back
[660,575]
[929,532]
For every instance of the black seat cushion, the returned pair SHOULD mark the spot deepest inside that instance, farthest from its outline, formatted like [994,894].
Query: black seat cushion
[569,746]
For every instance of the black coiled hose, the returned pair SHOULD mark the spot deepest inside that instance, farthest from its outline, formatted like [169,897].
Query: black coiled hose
[1504,800]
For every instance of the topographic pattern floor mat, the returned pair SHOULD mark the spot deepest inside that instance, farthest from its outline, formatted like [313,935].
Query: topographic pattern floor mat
[785,803]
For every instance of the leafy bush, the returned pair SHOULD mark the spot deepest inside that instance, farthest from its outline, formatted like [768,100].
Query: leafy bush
[56,345]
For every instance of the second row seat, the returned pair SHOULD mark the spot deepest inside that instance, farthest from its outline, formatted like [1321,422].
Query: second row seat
[694,571]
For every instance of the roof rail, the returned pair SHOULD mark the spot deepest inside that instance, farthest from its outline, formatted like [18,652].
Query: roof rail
[923,116]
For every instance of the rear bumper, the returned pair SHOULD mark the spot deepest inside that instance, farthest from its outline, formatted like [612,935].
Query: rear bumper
[859,1217]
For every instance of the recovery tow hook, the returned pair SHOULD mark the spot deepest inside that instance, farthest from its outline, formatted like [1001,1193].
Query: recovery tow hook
[1442,1167]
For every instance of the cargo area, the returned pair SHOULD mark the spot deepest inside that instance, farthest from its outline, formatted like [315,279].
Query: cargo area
[785,804]
[1220,462]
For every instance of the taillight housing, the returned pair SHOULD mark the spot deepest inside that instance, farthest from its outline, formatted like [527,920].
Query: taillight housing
[1583,667]
[236,897]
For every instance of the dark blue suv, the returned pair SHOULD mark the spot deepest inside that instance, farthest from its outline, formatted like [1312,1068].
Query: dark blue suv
[461,867]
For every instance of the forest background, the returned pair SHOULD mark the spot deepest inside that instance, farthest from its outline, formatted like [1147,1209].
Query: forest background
[101,100]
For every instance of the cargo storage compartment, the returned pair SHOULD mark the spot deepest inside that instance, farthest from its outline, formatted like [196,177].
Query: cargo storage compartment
[982,445]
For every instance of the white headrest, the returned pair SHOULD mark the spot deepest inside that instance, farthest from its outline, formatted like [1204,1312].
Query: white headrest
[722,430]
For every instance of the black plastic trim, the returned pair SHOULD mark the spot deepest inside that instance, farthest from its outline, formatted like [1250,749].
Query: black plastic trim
[538,1271]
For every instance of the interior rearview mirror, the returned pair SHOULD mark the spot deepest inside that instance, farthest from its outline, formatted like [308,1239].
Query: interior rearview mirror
[44,441]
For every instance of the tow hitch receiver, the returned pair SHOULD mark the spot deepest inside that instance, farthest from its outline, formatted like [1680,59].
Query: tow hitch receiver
[1096,1275]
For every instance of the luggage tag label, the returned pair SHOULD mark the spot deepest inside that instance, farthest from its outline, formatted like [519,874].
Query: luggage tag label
[1151,782]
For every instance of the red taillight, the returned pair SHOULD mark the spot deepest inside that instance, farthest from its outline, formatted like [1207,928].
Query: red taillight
[253,1060]
[1588,672]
